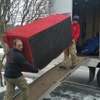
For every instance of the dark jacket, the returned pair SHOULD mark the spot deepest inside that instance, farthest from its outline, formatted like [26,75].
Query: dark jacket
[15,62]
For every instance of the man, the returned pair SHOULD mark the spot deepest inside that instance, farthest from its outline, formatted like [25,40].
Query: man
[72,49]
[13,75]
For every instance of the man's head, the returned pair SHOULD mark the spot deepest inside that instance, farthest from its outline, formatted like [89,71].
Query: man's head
[75,19]
[17,44]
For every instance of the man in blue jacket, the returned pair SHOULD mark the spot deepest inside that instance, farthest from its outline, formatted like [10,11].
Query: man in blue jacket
[13,75]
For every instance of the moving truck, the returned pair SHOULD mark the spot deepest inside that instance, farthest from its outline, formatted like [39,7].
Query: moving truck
[87,10]
[89,14]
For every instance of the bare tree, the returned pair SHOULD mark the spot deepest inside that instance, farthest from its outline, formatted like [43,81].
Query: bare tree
[51,8]
[19,12]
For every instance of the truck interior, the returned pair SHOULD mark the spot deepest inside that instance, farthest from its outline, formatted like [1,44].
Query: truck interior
[89,14]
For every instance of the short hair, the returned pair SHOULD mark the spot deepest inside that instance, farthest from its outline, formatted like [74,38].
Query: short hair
[15,41]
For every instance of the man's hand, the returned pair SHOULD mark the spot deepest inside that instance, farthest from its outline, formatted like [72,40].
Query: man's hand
[36,70]
[73,40]
[71,22]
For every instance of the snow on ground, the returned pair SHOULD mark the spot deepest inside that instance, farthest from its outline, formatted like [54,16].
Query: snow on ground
[2,89]
[65,92]
[73,96]
[29,81]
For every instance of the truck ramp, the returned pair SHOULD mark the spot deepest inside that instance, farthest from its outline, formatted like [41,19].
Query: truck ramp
[41,85]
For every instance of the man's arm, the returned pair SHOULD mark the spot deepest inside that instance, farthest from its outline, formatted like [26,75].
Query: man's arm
[77,33]
[23,62]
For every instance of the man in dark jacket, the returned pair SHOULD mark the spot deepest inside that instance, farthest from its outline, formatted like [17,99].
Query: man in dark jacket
[13,75]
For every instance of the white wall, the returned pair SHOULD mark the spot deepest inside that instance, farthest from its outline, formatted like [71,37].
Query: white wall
[63,6]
